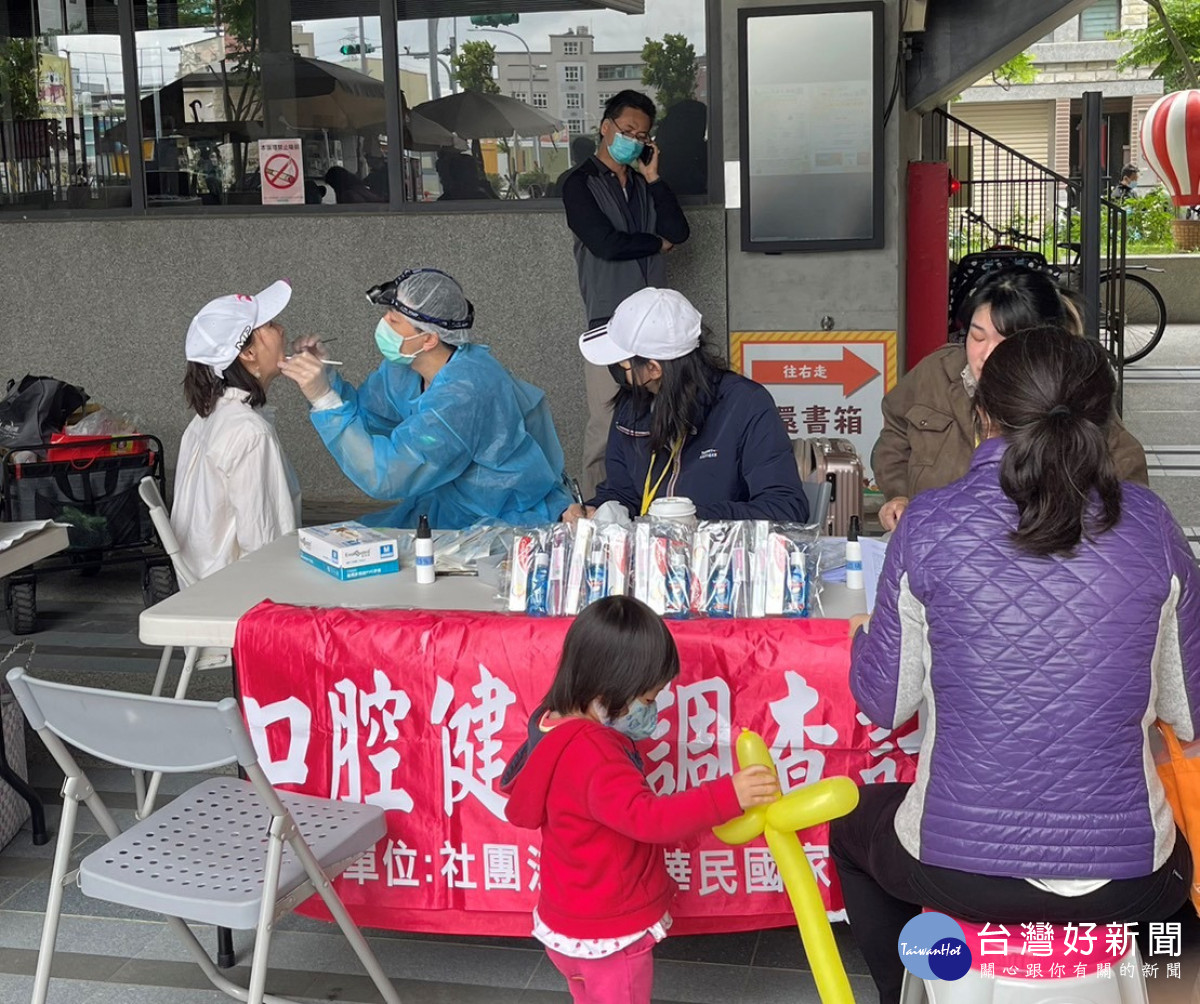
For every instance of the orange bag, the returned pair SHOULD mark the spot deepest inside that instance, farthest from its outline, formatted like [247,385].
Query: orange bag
[1180,776]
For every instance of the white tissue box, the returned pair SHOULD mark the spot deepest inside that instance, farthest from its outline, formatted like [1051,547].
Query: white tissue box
[349,550]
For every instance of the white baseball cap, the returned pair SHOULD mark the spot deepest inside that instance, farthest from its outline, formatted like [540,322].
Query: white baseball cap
[652,323]
[223,326]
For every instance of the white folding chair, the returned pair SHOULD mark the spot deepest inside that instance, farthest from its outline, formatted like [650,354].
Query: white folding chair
[193,658]
[228,852]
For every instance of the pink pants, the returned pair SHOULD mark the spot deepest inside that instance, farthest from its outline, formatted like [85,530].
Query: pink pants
[626,977]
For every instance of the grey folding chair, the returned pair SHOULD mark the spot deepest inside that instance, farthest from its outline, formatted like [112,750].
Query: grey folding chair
[818,494]
[228,852]
[193,658]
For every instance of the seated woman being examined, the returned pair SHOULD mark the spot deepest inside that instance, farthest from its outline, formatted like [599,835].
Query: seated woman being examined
[234,489]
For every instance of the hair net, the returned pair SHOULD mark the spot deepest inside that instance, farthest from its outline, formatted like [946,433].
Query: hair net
[436,295]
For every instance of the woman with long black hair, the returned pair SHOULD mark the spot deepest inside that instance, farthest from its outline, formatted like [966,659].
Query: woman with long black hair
[1044,612]
[234,489]
[683,424]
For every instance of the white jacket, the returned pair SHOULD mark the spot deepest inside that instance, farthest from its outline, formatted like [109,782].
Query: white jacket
[234,489]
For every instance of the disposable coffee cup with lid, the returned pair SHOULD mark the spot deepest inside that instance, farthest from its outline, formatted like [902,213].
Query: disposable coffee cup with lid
[674,508]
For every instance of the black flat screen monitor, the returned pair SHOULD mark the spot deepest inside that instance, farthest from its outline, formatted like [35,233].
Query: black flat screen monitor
[811,103]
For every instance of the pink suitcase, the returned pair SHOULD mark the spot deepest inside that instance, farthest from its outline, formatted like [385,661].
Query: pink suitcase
[835,461]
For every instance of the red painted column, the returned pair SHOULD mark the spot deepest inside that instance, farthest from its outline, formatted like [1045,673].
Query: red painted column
[927,276]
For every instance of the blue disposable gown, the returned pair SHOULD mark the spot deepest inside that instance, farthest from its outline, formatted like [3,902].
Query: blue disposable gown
[478,444]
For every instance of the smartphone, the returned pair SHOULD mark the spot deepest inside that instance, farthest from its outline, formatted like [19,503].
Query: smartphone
[647,153]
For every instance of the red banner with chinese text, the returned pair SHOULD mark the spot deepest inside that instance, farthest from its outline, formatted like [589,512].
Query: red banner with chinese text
[419,712]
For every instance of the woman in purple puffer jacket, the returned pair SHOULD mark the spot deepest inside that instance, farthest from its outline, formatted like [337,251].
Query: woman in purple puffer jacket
[1045,614]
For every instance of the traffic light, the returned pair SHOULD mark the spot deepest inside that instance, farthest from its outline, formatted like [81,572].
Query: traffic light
[494,20]
[354,50]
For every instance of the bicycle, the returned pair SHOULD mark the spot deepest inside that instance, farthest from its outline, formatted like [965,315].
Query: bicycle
[1141,299]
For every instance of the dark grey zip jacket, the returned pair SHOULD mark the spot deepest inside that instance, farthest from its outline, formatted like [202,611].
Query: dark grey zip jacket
[618,239]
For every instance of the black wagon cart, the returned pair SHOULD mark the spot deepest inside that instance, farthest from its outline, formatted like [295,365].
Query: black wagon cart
[92,486]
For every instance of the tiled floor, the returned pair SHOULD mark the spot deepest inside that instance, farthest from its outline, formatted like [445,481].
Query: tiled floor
[107,954]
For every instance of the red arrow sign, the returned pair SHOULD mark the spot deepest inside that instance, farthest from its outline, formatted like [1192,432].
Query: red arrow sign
[851,371]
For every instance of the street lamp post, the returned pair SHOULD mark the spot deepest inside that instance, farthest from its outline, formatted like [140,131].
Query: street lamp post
[537,140]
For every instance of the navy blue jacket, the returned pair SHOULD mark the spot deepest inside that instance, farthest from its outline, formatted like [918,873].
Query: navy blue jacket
[738,465]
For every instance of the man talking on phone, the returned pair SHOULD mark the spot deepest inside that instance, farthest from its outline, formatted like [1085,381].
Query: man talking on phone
[624,218]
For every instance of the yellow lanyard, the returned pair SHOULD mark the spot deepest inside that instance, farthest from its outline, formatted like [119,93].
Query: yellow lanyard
[648,491]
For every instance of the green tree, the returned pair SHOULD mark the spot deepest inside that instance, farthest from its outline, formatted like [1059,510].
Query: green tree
[472,66]
[1021,69]
[1170,43]
[670,66]
[19,79]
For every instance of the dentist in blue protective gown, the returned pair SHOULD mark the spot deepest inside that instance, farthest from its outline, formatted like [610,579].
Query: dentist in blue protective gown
[441,427]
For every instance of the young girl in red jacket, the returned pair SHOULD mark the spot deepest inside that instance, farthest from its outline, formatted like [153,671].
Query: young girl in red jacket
[605,890]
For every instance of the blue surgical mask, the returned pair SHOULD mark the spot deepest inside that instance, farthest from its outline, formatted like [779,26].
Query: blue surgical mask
[638,722]
[624,150]
[390,343]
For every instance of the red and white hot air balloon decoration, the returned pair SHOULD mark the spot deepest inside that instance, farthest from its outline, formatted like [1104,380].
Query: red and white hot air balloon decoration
[1170,138]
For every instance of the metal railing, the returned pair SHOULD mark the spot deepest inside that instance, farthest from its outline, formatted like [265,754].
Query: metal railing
[1007,200]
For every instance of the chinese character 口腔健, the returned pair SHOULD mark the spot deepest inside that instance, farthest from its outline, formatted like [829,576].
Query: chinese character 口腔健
[293,768]
[351,708]
[470,747]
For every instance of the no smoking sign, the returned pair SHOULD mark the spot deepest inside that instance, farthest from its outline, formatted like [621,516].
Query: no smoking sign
[279,171]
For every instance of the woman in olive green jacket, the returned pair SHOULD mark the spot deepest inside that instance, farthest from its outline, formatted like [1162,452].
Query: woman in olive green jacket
[929,430]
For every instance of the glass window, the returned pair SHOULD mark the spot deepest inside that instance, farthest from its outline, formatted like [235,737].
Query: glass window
[242,105]
[1100,20]
[627,71]
[63,138]
[552,61]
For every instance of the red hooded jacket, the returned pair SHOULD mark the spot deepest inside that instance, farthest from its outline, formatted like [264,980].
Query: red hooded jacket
[602,868]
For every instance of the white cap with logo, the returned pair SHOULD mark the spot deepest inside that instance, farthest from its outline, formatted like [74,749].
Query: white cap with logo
[223,326]
[652,323]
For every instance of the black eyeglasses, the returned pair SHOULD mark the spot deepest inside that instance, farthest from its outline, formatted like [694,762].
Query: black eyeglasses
[384,295]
